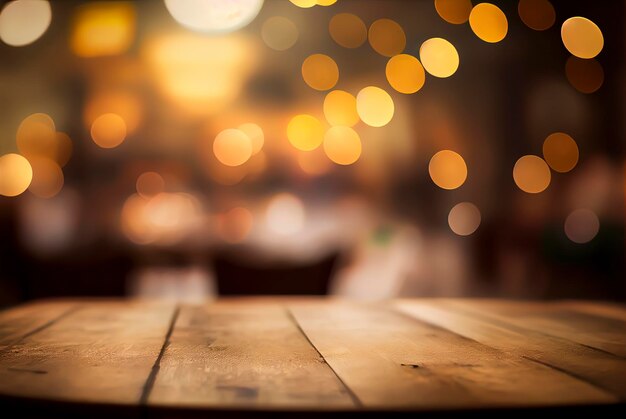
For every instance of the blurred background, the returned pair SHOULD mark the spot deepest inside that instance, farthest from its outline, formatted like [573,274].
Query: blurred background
[364,148]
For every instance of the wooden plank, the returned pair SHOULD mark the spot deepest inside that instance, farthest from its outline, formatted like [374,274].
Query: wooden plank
[596,367]
[390,360]
[100,353]
[610,310]
[233,354]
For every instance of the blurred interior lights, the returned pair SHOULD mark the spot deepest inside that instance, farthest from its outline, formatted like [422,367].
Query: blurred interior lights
[320,72]
[439,57]
[340,108]
[464,218]
[214,16]
[125,104]
[386,37]
[149,184]
[22,22]
[47,179]
[347,30]
[235,224]
[582,37]
[454,11]
[488,22]
[108,130]
[405,73]
[374,106]
[582,225]
[232,147]
[531,174]
[342,145]
[279,33]
[16,174]
[447,169]
[285,214]
[537,14]
[305,132]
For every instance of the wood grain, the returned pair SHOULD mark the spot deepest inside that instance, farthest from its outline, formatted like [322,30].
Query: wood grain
[606,310]
[390,360]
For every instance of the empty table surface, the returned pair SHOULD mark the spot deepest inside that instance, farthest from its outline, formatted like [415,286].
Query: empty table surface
[255,356]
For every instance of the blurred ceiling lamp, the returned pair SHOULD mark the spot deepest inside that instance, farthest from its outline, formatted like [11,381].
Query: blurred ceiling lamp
[340,108]
[279,33]
[586,76]
[387,37]
[103,28]
[531,174]
[405,73]
[202,74]
[124,104]
[439,57]
[149,184]
[108,130]
[22,22]
[214,16]
[582,37]
[320,72]
[561,152]
[255,134]
[342,145]
[16,174]
[537,14]
[464,218]
[47,177]
[235,225]
[305,132]
[232,147]
[581,226]
[447,169]
[454,11]
[285,214]
[375,106]
[347,30]
[488,22]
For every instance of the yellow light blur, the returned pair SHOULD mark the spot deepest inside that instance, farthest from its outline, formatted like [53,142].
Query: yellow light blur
[320,72]
[103,28]
[405,73]
[447,169]
[305,4]
[124,104]
[235,225]
[285,214]
[36,135]
[582,225]
[537,14]
[16,174]
[342,145]
[255,134]
[149,184]
[305,132]
[108,130]
[314,163]
[214,16]
[586,76]
[582,37]
[488,22]
[279,33]
[326,2]
[531,174]
[340,108]
[439,57]
[374,106]
[560,152]
[454,11]
[232,147]
[347,30]
[464,218]
[387,37]
[47,178]
[22,22]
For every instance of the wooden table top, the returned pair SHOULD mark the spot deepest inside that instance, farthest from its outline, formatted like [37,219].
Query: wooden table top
[256,355]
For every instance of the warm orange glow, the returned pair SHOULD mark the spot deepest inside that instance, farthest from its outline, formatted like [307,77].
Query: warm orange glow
[531,174]
[103,28]
[582,37]
[439,57]
[488,22]
[387,37]
[454,11]
[255,134]
[561,152]
[582,225]
[279,33]
[587,76]
[340,108]
[36,135]
[108,130]
[125,104]
[305,132]
[326,2]
[285,214]
[464,218]
[447,169]
[305,4]
[232,147]
[537,14]
[150,184]
[15,174]
[23,22]
[375,106]
[47,177]
[405,73]
[63,149]
[347,30]
[235,225]
[320,72]
[342,145]
[314,163]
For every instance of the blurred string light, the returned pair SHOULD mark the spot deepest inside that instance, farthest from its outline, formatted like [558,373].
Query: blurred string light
[464,218]
[279,33]
[125,104]
[47,180]
[342,145]
[22,22]
[314,163]
[232,147]
[347,30]
[306,4]
[305,132]
[454,11]
[16,174]
[531,174]
[255,134]
[439,57]
[405,73]
[488,22]
[235,224]
[214,16]
[320,72]
[582,37]
[149,184]
[581,226]
[103,28]
[374,106]
[560,152]
[387,37]
[537,14]
[340,108]
[586,76]
[447,169]
[36,136]
[285,214]
[108,130]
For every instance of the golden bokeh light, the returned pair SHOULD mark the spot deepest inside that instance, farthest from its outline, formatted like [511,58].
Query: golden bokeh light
[285,214]
[374,106]
[305,132]
[537,14]
[108,130]
[305,4]
[103,28]
[347,30]
[214,16]
[36,135]
[125,104]
[320,72]
[342,145]
[531,174]
[447,169]
[586,76]
[581,226]
[488,22]
[16,174]
[560,152]
[22,22]
[582,37]
[255,134]
[454,11]
[279,33]
[47,178]
[314,163]
[405,73]
[464,218]
[235,225]
[439,57]
[387,37]
[232,147]
[149,184]
[326,2]
[63,149]
[340,108]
